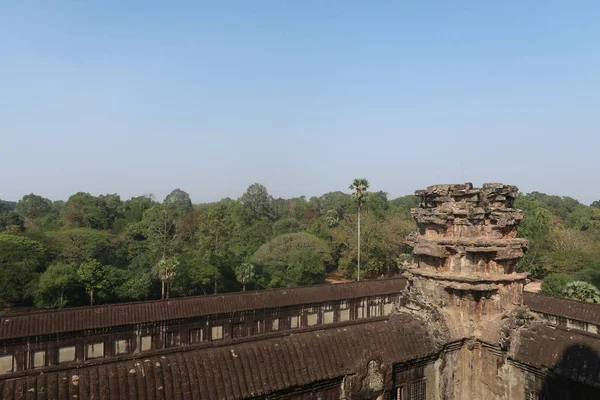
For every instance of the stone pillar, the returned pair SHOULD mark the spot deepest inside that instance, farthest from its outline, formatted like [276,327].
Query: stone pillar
[465,252]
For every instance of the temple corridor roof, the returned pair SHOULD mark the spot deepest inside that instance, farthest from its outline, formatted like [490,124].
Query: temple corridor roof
[83,318]
[237,371]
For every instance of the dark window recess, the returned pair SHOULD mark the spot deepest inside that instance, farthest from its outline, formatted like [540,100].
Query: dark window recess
[259,326]
[418,390]
[238,330]
[172,339]
[196,336]
[399,392]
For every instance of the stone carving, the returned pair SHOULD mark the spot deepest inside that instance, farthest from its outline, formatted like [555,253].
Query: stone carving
[465,253]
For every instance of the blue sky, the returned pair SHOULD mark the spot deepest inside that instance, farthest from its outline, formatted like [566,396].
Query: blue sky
[145,96]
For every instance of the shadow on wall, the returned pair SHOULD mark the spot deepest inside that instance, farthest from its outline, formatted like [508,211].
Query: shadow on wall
[576,376]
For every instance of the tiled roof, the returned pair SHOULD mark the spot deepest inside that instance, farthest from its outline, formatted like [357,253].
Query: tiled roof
[568,353]
[84,318]
[237,371]
[579,310]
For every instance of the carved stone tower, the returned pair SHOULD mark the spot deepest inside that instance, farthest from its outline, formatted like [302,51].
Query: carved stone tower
[466,252]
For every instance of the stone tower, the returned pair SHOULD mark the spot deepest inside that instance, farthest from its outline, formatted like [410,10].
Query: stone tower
[466,251]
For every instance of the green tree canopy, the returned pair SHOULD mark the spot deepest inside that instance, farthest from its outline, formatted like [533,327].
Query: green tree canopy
[405,203]
[20,249]
[163,230]
[287,225]
[276,253]
[536,228]
[554,284]
[180,200]
[32,207]
[11,221]
[304,268]
[21,259]
[559,205]
[83,210]
[92,276]
[257,202]
[338,202]
[378,204]
[79,245]
[54,283]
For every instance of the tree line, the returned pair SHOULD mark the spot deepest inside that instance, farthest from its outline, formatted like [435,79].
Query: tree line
[102,249]
[564,244]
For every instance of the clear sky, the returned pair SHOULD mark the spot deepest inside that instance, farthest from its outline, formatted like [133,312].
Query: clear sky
[132,97]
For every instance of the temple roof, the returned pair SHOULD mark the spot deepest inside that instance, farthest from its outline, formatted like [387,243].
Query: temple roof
[579,310]
[84,318]
[567,353]
[238,370]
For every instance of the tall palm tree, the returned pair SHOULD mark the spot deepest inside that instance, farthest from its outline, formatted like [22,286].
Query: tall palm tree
[359,189]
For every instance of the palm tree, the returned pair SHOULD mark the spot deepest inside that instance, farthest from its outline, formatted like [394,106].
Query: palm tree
[165,270]
[244,273]
[359,189]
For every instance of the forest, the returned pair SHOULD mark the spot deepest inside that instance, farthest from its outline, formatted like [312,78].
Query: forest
[102,249]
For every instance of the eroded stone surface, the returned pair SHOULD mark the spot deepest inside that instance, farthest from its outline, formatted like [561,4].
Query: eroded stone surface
[466,252]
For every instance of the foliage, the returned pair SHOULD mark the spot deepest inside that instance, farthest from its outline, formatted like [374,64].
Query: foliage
[20,249]
[561,206]
[288,225]
[583,291]
[54,283]
[382,244]
[536,228]
[48,222]
[180,200]
[584,219]
[571,261]
[137,282]
[21,260]
[32,207]
[83,210]
[564,239]
[405,203]
[337,202]
[163,230]
[165,270]
[92,276]
[79,245]
[276,253]
[554,284]
[288,241]
[257,202]
[378,204]
[332,218]
[360,194]
[11,221]
[6,206]
[304,268]
[244,273]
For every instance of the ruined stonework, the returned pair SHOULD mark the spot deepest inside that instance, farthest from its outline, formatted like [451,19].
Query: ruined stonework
[464,277]
[466,252]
